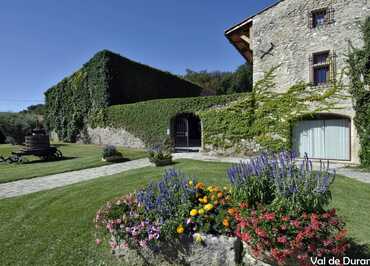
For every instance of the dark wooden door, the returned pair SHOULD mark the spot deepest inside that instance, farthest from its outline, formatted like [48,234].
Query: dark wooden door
[182,132]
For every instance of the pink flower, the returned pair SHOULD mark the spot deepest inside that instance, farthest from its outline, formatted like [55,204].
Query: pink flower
[98,241]
[260,232]
[295,223]
[269,216]
[282,239]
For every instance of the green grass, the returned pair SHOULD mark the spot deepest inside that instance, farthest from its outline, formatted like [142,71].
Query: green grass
[78,157]
[56,227]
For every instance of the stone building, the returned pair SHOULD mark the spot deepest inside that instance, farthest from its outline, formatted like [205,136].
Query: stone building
[309,39]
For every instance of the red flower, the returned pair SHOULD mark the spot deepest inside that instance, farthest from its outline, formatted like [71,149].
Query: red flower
[341,235]
[269,216]
[244,205]
[285,218]
[311,248]
[245,237]
[295,223]
[327,242]
[260,232]
[282,239]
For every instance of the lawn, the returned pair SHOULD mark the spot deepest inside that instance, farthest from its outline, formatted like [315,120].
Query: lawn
[77,157]
[56,227]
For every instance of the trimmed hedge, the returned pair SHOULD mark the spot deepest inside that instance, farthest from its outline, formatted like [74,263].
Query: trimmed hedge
[150,120]
[107,79]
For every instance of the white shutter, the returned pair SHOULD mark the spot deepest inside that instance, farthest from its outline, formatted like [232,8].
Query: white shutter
[322,139]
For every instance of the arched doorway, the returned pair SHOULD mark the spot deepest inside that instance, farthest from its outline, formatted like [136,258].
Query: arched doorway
[324,136]
[187,131]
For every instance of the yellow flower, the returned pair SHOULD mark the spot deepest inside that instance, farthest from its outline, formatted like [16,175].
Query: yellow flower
[210,188]
[205,200]
[180,229]
[190,183]
[198,237]
[201,211]
[226,223]
[193,212]
[208,207]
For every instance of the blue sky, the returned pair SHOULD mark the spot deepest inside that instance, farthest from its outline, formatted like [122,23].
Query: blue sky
[43,41]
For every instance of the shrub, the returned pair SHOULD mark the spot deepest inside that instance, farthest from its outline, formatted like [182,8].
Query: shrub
[285,239]
[110,151]
[16,125]
[277,179]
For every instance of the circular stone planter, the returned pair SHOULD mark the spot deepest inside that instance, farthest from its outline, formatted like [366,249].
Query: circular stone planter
[221,250]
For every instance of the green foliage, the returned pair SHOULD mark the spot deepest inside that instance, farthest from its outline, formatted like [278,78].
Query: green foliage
[223,82]
[264,118]
[150,120]
[16,126]
[110,151]
[37,109]
[107,79]
[359,73]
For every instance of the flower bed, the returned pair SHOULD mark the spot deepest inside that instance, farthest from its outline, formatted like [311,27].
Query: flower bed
[275,207]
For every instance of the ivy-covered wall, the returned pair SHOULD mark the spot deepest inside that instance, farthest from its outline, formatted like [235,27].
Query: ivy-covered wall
[150,120]
[359,72]
[107,79]
[263,119]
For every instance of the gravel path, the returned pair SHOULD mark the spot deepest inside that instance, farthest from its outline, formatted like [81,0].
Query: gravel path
[23,187]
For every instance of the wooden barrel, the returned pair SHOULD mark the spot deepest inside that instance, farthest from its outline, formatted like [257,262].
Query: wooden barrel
[37,141]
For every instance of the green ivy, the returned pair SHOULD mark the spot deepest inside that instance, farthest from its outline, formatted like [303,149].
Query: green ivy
[107,79]
[150,120]
[359,73]
[265,117]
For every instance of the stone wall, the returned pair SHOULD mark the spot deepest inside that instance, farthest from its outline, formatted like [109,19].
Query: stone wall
[286,25]
[215,251]
[113,136]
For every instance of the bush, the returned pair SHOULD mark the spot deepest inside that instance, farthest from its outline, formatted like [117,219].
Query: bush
[110,151]
[285,239]
[15,126]
[281,215]
[276,179]
[111,79]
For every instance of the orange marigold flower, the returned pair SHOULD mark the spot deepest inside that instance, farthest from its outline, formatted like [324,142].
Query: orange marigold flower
[200,185]
[226,223]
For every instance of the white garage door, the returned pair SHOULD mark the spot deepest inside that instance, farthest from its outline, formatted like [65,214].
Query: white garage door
[323,138]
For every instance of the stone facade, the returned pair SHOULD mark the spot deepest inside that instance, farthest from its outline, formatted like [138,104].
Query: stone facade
[112,136]
[286,25]
[282,35]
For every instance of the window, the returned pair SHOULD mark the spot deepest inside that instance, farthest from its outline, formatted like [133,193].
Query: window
[321,17]
[322,68]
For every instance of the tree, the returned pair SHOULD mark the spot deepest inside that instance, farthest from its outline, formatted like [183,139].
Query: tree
[220,82]
[37,109]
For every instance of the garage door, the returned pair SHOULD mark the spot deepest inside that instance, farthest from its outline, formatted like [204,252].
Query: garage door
[323,138]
